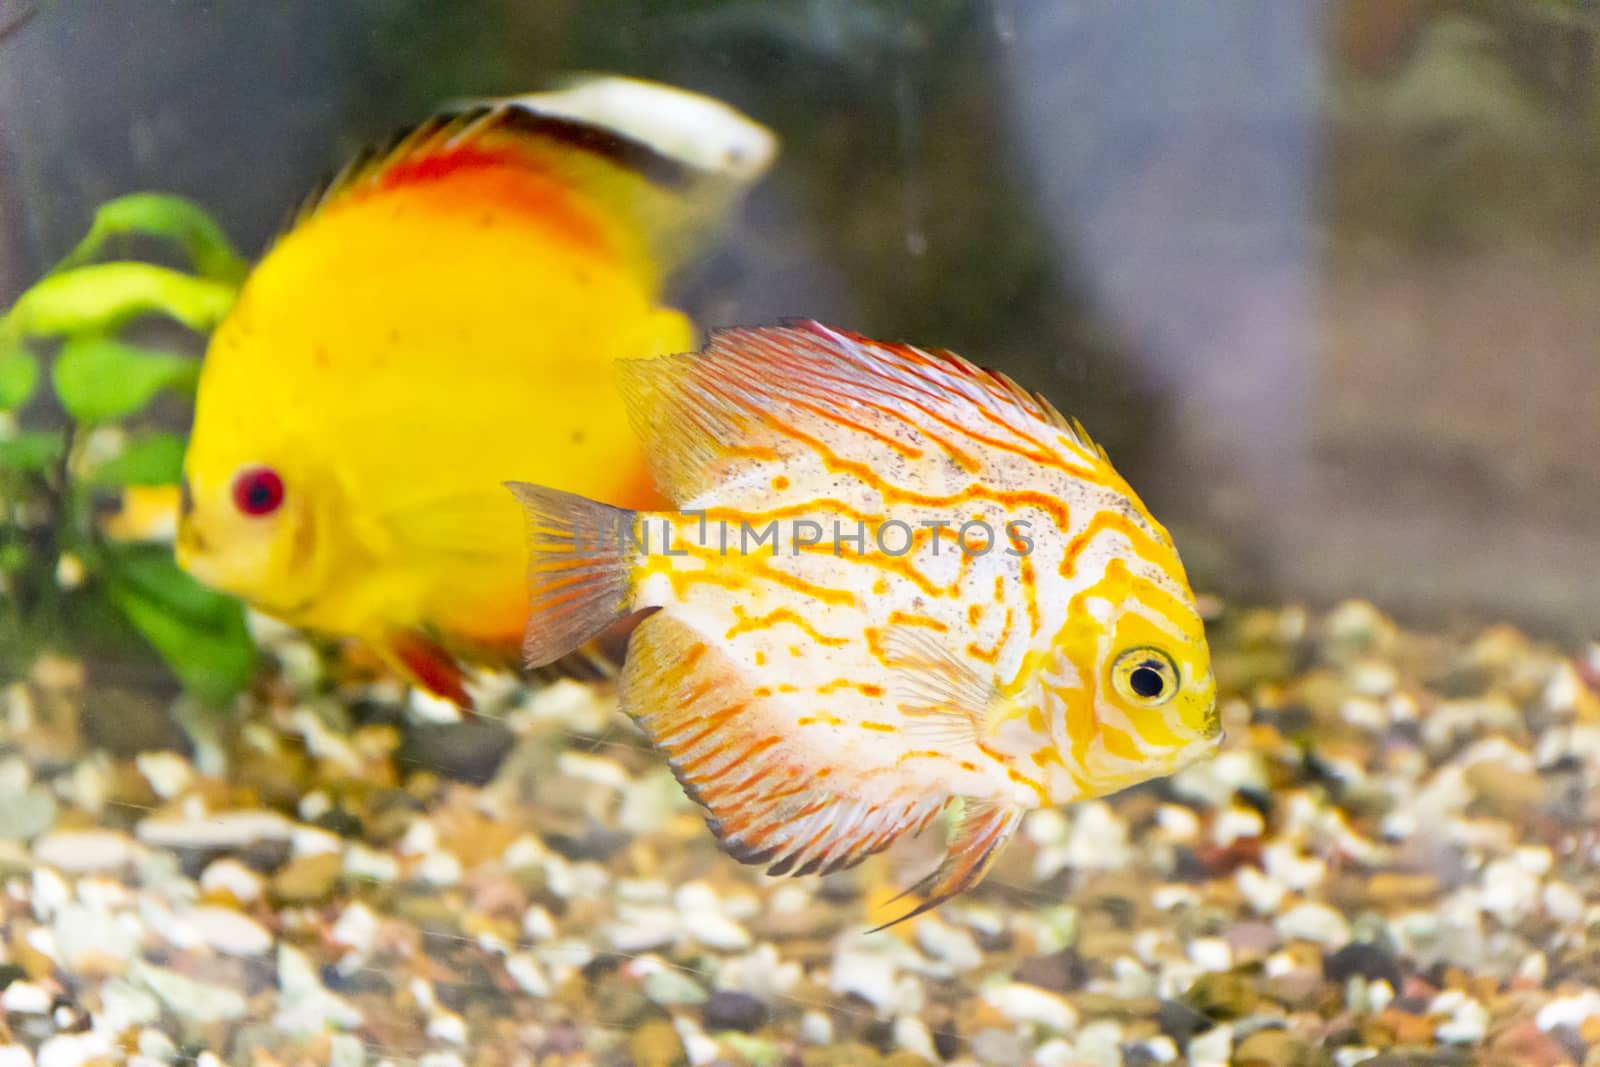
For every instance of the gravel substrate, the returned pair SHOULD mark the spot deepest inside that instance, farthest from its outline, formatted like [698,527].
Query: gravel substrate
[1393,861]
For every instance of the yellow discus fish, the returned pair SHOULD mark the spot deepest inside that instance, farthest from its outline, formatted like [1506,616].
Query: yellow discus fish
[895,580]
[444,312]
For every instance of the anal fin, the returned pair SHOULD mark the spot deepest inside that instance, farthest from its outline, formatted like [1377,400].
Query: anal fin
[772,799]
[985,827]
[428,664]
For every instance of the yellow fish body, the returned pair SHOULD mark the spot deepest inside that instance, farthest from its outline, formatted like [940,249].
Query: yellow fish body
[444,314]
[895,580]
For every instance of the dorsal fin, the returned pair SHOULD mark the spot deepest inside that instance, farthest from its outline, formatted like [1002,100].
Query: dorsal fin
[689,409]
[668,163]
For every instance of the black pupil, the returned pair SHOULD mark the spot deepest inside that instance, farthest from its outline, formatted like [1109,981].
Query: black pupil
[261,493]
[1147,682]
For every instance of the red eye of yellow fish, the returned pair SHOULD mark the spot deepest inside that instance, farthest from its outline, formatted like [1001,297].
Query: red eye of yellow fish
[257,491]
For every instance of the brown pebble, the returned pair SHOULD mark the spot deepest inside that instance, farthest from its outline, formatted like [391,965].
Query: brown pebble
[855,1054]
[1397,887]
[309,879]
[1507,792]
[1526,1045]
[1222,995]
[1268,1048]
[657,1044]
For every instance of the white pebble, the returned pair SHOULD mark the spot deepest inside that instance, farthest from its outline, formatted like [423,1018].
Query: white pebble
[421,837]
[157,1046]
[1178,822]
[315,841]
[346,1050]
[167,772]
[1349,1056]
[49,893]
[1045,826]
[596,769]
[1214,1048]
[201,1002]
[440,869]
[15,1056]
[448,1026]
[1467,1026]
[355,929]
[1509,892]
[1056,1053]
[230,876]
[1237,822]
[26,998]
[1214,781]
[1380,995]
[1562,902]
[1099,839]
[305,1006]
[70,1050]
[537,925]
[912,1035]
[714,930]
[868,975]
[370,864]
[1162,1049]
[1262,893]
[1176,895]
[1317,923]
[671,986]
[1283,862]
[953,945]
[124,1005]
[223,830]
[1100,1043]
[1021,1002]
[529,976]
[1211,953]
[314,805]
[700,1049]
[85,851]
[230,932]
[1569,1011]
[816,1028]
[440,1059]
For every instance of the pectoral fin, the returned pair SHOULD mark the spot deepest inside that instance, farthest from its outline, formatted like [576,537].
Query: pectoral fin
[944,697]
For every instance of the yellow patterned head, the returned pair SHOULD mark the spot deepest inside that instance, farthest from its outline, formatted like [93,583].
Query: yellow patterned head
[1132,672]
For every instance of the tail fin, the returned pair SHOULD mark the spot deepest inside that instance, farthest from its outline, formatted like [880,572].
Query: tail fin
[578,563]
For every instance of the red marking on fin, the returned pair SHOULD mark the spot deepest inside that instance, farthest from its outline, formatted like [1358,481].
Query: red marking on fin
[427,664]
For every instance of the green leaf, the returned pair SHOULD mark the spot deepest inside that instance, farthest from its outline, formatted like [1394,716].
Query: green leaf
[160,215]
[98,379]
[32,450]
[155,459]
[103,296]
[201,634]
[19,373]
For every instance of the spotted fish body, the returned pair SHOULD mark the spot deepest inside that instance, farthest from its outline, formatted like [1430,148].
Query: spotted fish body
[895,580]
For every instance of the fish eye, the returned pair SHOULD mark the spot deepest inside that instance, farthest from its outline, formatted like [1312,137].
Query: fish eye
[1145,676]
[257,491]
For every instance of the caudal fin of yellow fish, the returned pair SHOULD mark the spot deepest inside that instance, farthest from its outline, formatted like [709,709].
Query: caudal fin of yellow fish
[577,570]
[667,164]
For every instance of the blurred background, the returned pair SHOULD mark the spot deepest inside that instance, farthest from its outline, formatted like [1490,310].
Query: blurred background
[1323,277]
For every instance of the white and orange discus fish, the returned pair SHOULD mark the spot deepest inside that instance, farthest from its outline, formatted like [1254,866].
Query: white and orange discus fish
[896,580]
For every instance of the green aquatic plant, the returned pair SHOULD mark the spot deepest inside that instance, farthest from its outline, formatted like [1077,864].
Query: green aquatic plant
[97,434]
